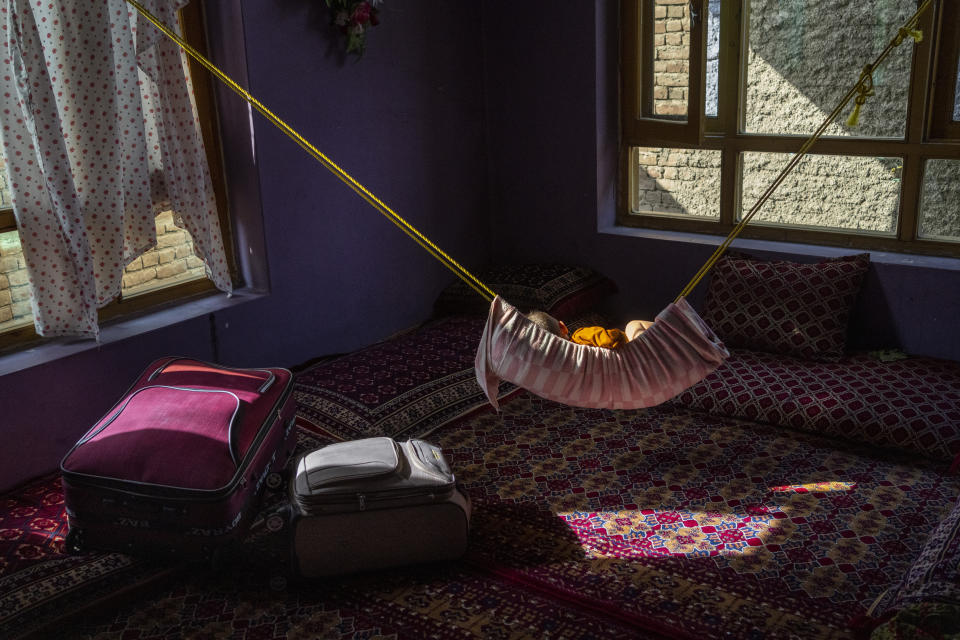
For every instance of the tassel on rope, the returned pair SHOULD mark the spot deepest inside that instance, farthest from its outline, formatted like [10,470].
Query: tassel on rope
[864,91]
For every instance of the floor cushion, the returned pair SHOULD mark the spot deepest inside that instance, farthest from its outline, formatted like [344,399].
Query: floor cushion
[910,404]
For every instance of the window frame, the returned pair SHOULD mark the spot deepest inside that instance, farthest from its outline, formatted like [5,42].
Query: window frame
[945,82]
[725,133]
[193,28]
[638,121]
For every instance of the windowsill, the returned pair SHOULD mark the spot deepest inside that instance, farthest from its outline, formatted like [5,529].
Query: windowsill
[771,246]
[58,348]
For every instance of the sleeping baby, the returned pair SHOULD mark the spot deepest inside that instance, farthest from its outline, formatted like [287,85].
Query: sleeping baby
[591,336]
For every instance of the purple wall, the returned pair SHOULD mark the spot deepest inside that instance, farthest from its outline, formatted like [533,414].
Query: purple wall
[551,98]
[406,120]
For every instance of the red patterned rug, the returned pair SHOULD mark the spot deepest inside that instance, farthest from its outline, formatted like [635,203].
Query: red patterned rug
[39,583]
[597,524]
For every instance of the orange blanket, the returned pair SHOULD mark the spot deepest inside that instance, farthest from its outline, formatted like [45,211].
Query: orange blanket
[600,337]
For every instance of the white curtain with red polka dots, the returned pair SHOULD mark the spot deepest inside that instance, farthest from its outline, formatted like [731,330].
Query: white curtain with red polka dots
[99,135]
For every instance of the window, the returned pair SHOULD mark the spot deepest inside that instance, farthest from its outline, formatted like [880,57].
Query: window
[718,95]
[167,273]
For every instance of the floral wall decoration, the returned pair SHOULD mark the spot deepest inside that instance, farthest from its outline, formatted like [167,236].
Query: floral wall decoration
[354,18]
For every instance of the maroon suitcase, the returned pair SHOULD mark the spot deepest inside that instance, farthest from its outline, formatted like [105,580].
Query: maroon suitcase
[179,463]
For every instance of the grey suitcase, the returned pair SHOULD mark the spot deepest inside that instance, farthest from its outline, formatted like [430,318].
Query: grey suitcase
[375,503]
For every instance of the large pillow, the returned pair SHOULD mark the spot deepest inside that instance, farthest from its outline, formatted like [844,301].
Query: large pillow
[782,307]
[561,290]
[912,404]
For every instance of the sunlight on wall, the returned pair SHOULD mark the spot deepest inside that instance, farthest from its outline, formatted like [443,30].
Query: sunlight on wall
[940,201]
[676,181]
[800,65]
[852,193]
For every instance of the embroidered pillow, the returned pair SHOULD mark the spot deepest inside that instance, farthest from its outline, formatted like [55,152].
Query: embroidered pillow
[561,290]
[935,574]
[933,579]
[782,307]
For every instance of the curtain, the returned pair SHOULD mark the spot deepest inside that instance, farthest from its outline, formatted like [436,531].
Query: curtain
[99,134]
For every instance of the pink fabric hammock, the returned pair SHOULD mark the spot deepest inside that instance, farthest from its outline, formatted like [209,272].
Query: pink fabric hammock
[676,352]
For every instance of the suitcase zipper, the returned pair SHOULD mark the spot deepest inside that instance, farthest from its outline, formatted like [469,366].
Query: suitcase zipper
[367,500]
[267,383]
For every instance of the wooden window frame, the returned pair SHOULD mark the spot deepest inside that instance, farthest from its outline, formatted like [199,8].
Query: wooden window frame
[638,119]
[944,87]
[193,27]
[724,133]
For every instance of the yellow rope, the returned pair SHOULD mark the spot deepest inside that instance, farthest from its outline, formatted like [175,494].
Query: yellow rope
[862,89]
[345,177]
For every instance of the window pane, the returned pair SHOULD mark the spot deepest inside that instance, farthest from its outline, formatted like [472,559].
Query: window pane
[5,200]
[956,97]
[14,287]
[172,262]
[850,193]
[671,58]
[675,182]
[940,200]
[804,55]
[713,58]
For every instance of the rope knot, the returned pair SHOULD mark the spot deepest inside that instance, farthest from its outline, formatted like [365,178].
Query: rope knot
[903,32]
[864,91]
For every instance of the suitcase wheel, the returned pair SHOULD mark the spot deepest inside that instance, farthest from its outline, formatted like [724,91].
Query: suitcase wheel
[275,523]
[73,543]
[274,480]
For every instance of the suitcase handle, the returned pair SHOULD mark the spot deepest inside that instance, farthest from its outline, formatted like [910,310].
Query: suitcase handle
[267,383]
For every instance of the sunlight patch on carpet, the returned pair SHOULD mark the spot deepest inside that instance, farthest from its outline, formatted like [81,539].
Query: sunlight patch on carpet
[815,487]
[695,534]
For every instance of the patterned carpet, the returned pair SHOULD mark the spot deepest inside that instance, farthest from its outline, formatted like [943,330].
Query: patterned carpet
[41,584]
[597,524]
